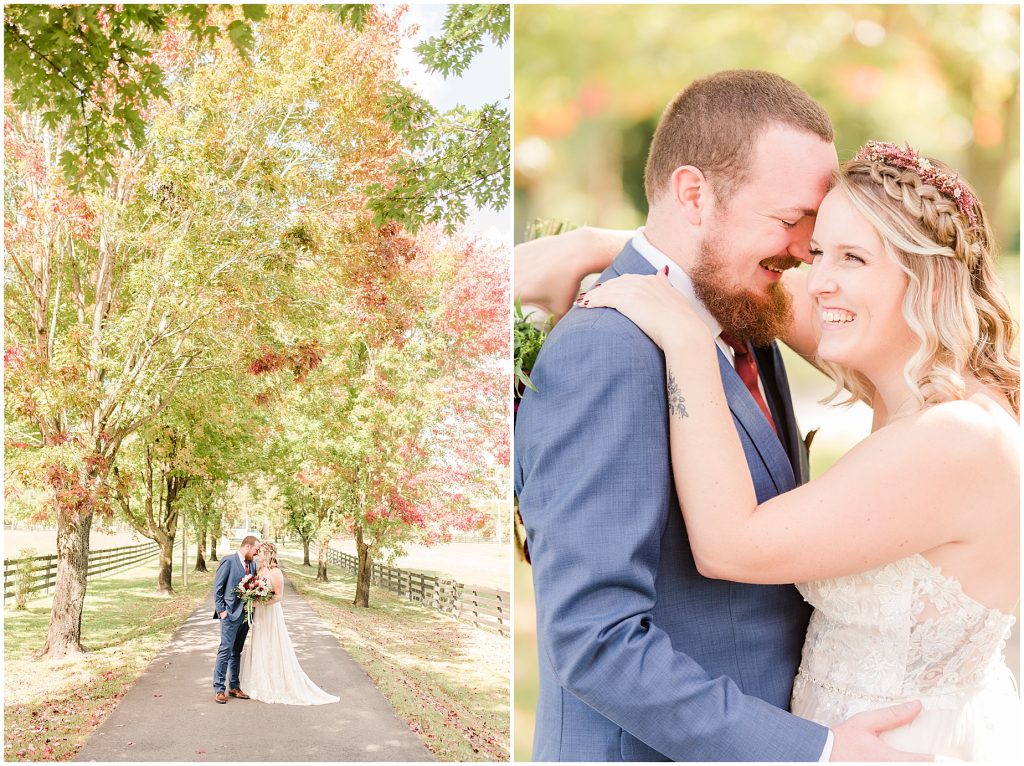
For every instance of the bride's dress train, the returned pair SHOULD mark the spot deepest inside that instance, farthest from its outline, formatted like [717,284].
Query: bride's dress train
[906,631]
[270,671]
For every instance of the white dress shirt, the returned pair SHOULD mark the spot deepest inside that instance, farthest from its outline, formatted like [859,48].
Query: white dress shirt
[680,280]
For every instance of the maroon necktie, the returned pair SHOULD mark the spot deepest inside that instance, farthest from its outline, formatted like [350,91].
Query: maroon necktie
[246,563]
[746,368]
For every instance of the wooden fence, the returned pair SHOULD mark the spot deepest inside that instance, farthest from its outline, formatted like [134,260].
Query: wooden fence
[486,607]
[43,572]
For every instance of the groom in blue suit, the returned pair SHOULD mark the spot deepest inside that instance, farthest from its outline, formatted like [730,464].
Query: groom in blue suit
[641,657]
[228,608]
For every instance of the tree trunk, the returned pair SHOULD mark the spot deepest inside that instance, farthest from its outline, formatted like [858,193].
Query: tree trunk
[305,552]
[200,544]
[64,636]
[167,531]
[364,568]
[214,537]
[321,564]
[163,577]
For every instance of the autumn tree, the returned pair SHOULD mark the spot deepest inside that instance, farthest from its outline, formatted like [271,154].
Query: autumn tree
[90,357]
[156,491]
[202,238]
[204,510]
[89,71]
[172,470]
[431,425]
[406,423]
[291,476]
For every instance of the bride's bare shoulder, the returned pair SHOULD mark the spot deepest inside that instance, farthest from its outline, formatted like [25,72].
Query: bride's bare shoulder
[979,432]
[273,574]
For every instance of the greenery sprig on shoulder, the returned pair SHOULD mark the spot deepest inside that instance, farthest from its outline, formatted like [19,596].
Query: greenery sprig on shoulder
[528,338]
[527,341]
[528,334]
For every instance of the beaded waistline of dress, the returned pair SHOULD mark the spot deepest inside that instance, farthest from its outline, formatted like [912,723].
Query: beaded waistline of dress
[882,699]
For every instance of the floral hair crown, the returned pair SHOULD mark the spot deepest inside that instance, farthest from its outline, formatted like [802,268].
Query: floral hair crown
[908,159]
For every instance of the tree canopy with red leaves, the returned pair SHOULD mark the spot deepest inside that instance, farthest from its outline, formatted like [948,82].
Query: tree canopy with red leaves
[402,430]
[232,261]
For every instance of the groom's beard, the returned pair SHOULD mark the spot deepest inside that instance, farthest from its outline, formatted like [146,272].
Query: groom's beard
[744,314]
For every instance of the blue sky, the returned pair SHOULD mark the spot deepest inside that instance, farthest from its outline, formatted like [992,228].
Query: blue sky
[487,79]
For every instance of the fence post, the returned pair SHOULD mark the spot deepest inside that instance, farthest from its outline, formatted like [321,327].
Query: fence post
[485,607]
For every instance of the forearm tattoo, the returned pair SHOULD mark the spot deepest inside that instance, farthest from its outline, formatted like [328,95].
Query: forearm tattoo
[676,402]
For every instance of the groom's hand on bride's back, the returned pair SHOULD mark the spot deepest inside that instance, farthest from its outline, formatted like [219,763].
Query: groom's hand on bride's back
[858,737]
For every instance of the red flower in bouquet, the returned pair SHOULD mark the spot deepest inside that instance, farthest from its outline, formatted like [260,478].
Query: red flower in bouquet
[253,590]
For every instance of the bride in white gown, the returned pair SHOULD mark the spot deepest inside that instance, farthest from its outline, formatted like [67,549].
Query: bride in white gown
[903,632]
[270,671]
[908,547]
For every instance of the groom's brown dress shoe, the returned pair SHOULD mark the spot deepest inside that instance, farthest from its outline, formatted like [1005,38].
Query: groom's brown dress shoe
[220,697]
[238,693]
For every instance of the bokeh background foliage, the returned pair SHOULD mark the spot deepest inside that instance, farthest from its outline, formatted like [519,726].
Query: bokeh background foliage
[592,81]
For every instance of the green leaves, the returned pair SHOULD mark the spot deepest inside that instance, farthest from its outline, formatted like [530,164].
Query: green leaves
[465,27]
[89,68]
[456,157]
[527,340]
[254,12]
[241,35]
[354,14]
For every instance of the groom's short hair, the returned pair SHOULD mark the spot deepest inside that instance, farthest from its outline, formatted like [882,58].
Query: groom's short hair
[250,540]
[714,125]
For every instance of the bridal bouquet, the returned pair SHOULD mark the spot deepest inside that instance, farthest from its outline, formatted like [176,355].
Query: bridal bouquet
[253,590]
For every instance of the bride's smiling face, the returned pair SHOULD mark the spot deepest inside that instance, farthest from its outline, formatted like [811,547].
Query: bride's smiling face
[858,291]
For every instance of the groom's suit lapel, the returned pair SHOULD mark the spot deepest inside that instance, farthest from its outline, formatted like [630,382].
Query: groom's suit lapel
[753,421]
[741,403]
[780,402]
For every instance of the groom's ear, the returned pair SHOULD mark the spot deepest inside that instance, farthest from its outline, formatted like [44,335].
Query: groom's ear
[691,193]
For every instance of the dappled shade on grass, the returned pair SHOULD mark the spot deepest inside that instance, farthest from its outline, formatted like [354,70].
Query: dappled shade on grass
[446,678]
[51,707]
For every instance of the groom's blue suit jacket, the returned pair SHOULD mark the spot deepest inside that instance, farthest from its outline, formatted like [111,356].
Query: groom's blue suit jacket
[225,599]
[641,657]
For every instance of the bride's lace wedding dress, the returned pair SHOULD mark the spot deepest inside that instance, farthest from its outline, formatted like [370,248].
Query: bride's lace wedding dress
[906,631]
[270,671]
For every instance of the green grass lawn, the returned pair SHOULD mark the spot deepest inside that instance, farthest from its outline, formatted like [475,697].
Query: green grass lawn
[446,678]
[51,707]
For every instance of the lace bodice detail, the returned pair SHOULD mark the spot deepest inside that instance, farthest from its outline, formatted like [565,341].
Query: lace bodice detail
[904,630]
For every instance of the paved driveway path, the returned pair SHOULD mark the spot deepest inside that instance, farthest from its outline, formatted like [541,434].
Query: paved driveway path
[170,714]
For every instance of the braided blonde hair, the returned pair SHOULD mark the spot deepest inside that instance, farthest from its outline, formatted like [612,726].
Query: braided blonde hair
[968,329]
[268,555]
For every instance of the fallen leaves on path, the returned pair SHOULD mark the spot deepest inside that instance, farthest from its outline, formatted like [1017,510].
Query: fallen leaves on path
[446,678]
[51,707]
